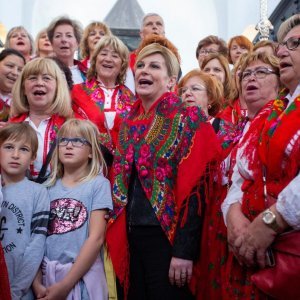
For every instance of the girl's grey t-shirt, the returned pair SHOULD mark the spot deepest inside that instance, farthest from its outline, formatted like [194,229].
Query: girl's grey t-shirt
[70,211]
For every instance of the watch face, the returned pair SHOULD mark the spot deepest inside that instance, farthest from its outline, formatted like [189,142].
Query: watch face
[269,217]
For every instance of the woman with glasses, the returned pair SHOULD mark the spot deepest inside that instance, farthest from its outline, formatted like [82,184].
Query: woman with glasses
[208,45]
[278,156]
[259,80]
[199,89]
[41,97]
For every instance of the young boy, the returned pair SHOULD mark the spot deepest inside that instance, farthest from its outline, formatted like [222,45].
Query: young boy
[24,209]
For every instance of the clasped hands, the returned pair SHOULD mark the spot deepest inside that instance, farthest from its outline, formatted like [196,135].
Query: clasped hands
[248,240]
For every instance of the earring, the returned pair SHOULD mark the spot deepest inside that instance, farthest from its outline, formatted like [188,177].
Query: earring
[209,106]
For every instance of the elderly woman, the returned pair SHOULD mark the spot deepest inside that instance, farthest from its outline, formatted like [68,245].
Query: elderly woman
[41,97]
[276,209]
[11,65]
[156,188]
[43,47]
[199,89]
[217,65]
[238,45]
[103,98]
[91,36]
[18,38]
[259,79]
[65,35]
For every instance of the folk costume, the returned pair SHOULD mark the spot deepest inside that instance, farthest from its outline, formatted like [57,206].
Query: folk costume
[214,247]
[4,107]
[104,107]
[233,113]
[159,169]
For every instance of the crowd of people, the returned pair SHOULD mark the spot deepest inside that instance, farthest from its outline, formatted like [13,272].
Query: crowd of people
[122,178]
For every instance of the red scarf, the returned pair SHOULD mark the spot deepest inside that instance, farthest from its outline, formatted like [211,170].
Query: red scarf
[88,100]
[166,145]
[280,145]
[233,113]
[4,111]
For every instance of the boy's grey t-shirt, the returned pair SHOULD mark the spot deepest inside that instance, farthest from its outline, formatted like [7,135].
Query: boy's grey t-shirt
[23,228]
[70,210]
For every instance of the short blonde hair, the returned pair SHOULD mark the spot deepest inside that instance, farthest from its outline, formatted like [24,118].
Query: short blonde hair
[85,129]
[61,103]
[12,31]
[171,61]
[117,46]
[84,47]
[287,26]
[214,89]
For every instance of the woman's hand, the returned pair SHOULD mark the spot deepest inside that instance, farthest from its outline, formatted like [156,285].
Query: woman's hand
[254,243]
[180,271]
[237,224]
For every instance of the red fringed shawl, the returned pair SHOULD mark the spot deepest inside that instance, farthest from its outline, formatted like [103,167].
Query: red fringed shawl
[88,100]
[171,146]
[4,282]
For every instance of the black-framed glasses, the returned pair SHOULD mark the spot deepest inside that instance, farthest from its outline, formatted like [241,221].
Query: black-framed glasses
[194,89]
[76,142]
[259,73]
[292,43]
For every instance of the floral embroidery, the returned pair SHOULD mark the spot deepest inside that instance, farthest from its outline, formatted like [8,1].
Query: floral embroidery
[156,141]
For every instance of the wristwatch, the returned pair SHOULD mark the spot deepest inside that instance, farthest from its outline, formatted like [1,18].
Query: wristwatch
[269,218]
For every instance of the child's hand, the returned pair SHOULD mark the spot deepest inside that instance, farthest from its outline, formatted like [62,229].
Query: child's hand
[39,290]
[57,291]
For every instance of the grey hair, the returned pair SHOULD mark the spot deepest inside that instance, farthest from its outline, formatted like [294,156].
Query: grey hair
[287,26]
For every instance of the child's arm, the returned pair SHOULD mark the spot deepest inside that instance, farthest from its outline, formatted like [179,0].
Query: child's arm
[34,252]
[85,259]
[39,289]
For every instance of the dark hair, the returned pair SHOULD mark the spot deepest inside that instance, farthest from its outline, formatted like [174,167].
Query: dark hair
[66,70]
[213,39]
[10,51]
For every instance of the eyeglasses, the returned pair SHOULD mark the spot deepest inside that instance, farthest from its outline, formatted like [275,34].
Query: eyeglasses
[292,43]
[259,73]
[192,89]
[208,51]
[76,142]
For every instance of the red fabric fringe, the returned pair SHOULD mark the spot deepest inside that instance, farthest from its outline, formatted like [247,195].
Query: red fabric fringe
[4,282]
